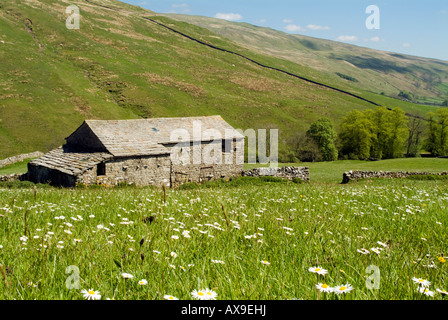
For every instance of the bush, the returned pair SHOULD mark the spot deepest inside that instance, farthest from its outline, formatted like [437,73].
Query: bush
[406,95]
[346,77]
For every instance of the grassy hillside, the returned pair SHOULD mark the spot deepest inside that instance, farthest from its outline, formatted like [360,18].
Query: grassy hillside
[120,66]
[360,67]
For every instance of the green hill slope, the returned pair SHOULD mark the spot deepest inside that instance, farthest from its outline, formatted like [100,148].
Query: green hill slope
[368,69]
[119,66]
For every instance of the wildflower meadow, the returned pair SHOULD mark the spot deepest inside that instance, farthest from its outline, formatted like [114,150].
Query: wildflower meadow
[272,241]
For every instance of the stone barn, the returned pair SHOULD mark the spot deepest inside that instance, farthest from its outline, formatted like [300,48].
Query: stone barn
[159,151]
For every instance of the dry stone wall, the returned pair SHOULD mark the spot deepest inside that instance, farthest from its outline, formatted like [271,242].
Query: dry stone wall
[20,158]
[13,177]
[358,174]
[283,172]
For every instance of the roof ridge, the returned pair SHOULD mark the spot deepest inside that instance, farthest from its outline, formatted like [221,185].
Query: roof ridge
[147,119]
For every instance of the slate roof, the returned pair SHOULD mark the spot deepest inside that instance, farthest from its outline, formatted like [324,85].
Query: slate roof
[122,138]
[147,136]
[70,161]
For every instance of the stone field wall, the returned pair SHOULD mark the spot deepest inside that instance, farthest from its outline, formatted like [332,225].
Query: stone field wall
[357,174]
[289,173]
[20,158]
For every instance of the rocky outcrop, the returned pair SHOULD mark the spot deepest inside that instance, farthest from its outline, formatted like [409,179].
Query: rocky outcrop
[358,174]
[289,173]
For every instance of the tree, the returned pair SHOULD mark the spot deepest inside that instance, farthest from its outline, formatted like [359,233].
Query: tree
[442,113]
[356,135]
[416,127]
[437,142]
[380,129]
[432,143]
[324,134]
[307,149]
[398,132]
[375,133]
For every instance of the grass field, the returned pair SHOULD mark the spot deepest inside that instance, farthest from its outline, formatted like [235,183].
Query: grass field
[326,172]
[248,241]
[331,172]
[19,167]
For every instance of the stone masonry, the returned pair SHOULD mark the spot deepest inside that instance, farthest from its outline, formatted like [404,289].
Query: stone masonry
[20,158]
[358,174]
[143,152]
[289,173]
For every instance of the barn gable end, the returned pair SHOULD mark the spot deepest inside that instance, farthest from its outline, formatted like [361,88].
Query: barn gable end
[84,138]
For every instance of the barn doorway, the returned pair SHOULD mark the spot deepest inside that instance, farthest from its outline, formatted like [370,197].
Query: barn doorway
[101,169]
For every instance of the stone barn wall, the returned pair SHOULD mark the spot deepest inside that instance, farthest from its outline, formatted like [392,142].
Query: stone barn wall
[140,171]
[186,170]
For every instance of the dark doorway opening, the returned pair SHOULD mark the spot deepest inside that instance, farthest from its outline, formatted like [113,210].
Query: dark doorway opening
[101,169]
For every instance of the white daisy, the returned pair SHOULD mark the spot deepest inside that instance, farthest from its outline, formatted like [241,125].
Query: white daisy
[127,275]
[343,289]
[426,291]
[210,294]
[363,251]
[324,287]
[318,270]
[382,244]
[143,282]
[265,262]
[168,297]
[91,294]
[422,282]
[444,292]
[199,295]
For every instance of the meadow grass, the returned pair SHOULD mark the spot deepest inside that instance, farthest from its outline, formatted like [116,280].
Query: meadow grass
[221,235]
[19,167]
